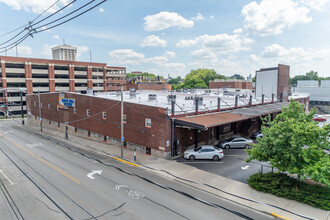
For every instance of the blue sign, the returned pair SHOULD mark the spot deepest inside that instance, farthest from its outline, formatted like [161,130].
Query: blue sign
[68,102]
[122,138]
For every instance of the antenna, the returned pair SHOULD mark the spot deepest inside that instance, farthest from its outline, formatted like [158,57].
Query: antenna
[90,56]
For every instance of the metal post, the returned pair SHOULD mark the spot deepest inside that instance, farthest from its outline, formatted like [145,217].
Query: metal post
[263,99]
[196,104]
[173,107]
[236,101]
[219,100]
[22,109]
[273,98]
[6,107]
[250,100]
[172,137]
[122,123]
[40,111]
[66,132]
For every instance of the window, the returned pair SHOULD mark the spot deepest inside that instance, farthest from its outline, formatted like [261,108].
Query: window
[87,112]
[148,122]
[34,104]
[104,115]
[74,110]
[48,106]
[41,105]
[124,119]
[57,108]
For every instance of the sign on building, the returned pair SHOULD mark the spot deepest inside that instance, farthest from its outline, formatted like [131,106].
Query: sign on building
[64,103]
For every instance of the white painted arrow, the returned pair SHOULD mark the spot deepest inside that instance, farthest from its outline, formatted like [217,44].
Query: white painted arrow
[120,186]
[246,167]
[90,175]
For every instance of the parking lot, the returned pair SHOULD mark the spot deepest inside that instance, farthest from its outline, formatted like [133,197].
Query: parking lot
[232,165]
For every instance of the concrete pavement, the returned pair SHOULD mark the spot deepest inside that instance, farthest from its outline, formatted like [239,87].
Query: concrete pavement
[200,179]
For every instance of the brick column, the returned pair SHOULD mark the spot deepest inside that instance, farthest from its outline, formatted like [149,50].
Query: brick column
[28,78]
[104,80]
[4,75]
[71,78]
[51,77]
[89,78]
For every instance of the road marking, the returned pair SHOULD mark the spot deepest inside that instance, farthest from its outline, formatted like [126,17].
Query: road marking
[90,175]
[11,183]
[201,162]
[125,161]
[45,162]
[131,193]
[279,216]
[246,167]
[120,186]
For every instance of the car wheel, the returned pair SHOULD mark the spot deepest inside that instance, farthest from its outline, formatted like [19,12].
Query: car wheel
[246,146]
[215,158]
[227,146]
[192,158]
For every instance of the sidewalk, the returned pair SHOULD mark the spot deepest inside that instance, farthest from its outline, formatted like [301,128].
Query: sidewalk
[181,171]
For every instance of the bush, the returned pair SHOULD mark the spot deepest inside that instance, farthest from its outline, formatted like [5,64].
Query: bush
[284,186]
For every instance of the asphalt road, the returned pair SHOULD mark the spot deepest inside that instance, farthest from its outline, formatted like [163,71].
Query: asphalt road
[44,180]
[232,165]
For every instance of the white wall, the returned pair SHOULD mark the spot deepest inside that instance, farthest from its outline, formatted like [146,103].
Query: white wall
[266,83]
[316,93]
[307,83]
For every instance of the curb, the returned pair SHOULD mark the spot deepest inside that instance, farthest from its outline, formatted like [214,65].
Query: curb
[125,161]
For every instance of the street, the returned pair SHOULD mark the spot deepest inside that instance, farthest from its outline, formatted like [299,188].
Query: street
[47,180]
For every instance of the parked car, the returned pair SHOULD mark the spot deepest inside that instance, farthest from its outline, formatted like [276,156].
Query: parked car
[256,135]
[236,142]
[319,118]
[204,152]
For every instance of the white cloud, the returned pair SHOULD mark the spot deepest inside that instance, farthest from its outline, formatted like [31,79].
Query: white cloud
[238,31]
[224,43]
[169,54]
[46,51]
[25,50]
[35,6]
[56,37]
[271,17]
[101,10]
[81,50]
[316,4]
[186,43]
[211,16]
[157,60]
[173,68]
[164,20]
[300,59]
[153,41]
[198,17]
[126,57]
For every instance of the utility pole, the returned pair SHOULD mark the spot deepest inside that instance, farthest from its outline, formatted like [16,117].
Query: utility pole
[6,106]
[40,111]
[122,123]
[22,110]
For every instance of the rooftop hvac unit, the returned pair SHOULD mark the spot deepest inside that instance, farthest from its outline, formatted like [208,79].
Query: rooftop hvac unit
[152,97]
[118,93]
[207,91]
[171,98]
[189,98]
[200,100]
[132,93]
[164,89]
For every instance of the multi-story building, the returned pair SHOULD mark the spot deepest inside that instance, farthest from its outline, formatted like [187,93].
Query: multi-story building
[64,52]
[230,83]
[46,75]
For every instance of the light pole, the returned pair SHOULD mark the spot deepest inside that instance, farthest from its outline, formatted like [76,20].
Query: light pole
[122,123]
[40,111]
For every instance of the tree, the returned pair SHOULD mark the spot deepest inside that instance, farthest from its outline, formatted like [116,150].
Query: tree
[176,80]
[311,75]
[206,75]
[194,83]
[294,143]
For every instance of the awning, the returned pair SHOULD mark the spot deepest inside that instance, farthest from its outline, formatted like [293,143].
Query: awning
[204,121]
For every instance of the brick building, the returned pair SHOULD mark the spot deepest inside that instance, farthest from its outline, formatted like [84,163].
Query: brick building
[149,86]
[157,122]
[47,75]
[230,83]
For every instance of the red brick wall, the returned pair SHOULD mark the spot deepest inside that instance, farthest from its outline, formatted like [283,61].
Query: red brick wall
[283,80]
[237,85]
[134,131]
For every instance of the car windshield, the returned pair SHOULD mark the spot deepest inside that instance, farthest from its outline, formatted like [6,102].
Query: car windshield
[197,149]
[230,139]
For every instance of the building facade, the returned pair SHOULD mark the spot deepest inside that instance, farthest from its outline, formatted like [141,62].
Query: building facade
[44,75]
[64,52]
[230,83]
[273,80]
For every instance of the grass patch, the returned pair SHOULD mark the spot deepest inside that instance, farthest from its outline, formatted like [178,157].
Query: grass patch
[284,186]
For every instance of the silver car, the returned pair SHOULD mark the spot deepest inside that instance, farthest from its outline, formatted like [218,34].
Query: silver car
[204,152]
[236,142]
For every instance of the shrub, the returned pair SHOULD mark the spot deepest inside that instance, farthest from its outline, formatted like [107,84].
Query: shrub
[284,186]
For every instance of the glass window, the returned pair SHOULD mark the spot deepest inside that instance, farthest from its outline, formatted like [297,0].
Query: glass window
[104,115]
[124,119]
[87,112]
[148,122]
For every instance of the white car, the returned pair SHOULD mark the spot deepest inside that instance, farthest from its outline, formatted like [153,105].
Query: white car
[204,152]
[236,142]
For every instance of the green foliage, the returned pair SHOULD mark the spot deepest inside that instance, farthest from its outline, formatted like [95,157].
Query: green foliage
[294,143]
[311,75]
[176,80]
[283,186]
[145,75]
[200,78]
[254,79]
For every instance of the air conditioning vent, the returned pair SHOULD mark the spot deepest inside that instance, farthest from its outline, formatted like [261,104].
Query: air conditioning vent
[152,97]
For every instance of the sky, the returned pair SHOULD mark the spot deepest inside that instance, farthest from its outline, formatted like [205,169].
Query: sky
[172,37]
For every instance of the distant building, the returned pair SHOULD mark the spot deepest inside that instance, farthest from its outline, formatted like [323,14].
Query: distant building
[230,83]
[273,80]
[64,52]
[319,93]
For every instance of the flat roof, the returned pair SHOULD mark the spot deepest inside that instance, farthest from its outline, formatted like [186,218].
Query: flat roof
[185,101]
